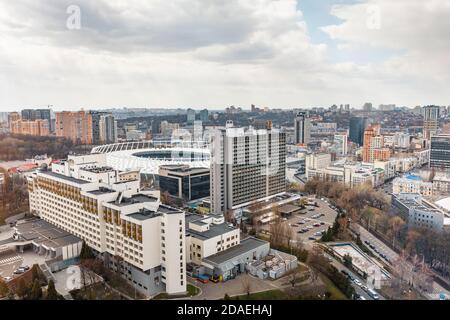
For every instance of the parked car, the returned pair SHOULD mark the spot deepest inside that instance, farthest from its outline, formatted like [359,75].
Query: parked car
[316,224]
[19,271]
[7,279]
[365,288]
[26,268]
[322,223]
[357,282]
[344,272]
[367,242]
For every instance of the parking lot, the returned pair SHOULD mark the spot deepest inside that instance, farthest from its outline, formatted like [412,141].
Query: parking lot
[309,225]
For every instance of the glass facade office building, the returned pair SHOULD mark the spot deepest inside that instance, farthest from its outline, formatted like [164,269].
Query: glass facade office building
[357,127]
[185,183]
[440,152]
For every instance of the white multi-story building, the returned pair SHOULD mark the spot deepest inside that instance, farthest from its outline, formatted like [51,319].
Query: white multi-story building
[441,182]
[350,174]
[402,140]
[315,161]
[134,234]
[216,249]
[340,141]
[388,166]
[412,184]
[247,166]
[418,212]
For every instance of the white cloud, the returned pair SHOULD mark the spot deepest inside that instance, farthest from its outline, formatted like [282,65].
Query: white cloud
[213,53]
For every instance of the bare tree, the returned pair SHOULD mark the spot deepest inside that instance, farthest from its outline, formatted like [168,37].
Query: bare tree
[246,285]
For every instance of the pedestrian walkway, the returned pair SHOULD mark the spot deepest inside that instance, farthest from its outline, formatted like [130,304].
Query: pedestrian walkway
[10,260]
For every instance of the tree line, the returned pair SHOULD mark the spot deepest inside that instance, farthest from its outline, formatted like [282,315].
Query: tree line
[20,147]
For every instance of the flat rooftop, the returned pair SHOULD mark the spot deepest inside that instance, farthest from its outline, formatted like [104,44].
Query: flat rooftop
[138,198]
[101,191]
[245,246]
[64,177]
[214,229]
[44,233]
[98,169]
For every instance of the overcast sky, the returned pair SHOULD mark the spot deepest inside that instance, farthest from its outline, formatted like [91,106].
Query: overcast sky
[216,53]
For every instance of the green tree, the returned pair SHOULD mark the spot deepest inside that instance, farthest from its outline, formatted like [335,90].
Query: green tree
[36,290]
[348,261]
[51,291]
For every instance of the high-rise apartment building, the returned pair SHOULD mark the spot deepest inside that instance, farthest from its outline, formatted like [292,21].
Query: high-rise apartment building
[204,115]
[357,127]
[30,127]
[13,116]
[108,129]
[76,126]
[367,106]
[168,129]
[39,114]
[440,151]
[430,121]
[131,231]
[340,141]
[373,146]
[302,128]
[190,116]
[247,166]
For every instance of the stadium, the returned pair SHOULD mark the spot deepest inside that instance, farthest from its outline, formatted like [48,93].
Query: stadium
[148,156]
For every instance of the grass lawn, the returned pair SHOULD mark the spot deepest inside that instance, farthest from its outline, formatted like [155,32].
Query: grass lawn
[336,294]
[266,295]
[192,290]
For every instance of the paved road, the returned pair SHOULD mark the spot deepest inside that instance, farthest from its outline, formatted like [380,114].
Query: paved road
[393,256]
[338,265]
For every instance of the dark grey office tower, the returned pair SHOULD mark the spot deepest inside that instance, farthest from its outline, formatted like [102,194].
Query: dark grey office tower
[39,114]
[440,152]
[357,127]
[96,126]
[104,127]
[204,115]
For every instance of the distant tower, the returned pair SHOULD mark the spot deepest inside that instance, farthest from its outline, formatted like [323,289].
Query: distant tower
[190,116]
[302,128]
[430,121]
[357,126]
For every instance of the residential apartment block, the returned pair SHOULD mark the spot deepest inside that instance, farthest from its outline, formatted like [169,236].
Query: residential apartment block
[30,127]
[76,126]
[412,184]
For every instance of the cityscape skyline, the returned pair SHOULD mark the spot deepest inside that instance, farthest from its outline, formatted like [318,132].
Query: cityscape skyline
[270,53]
